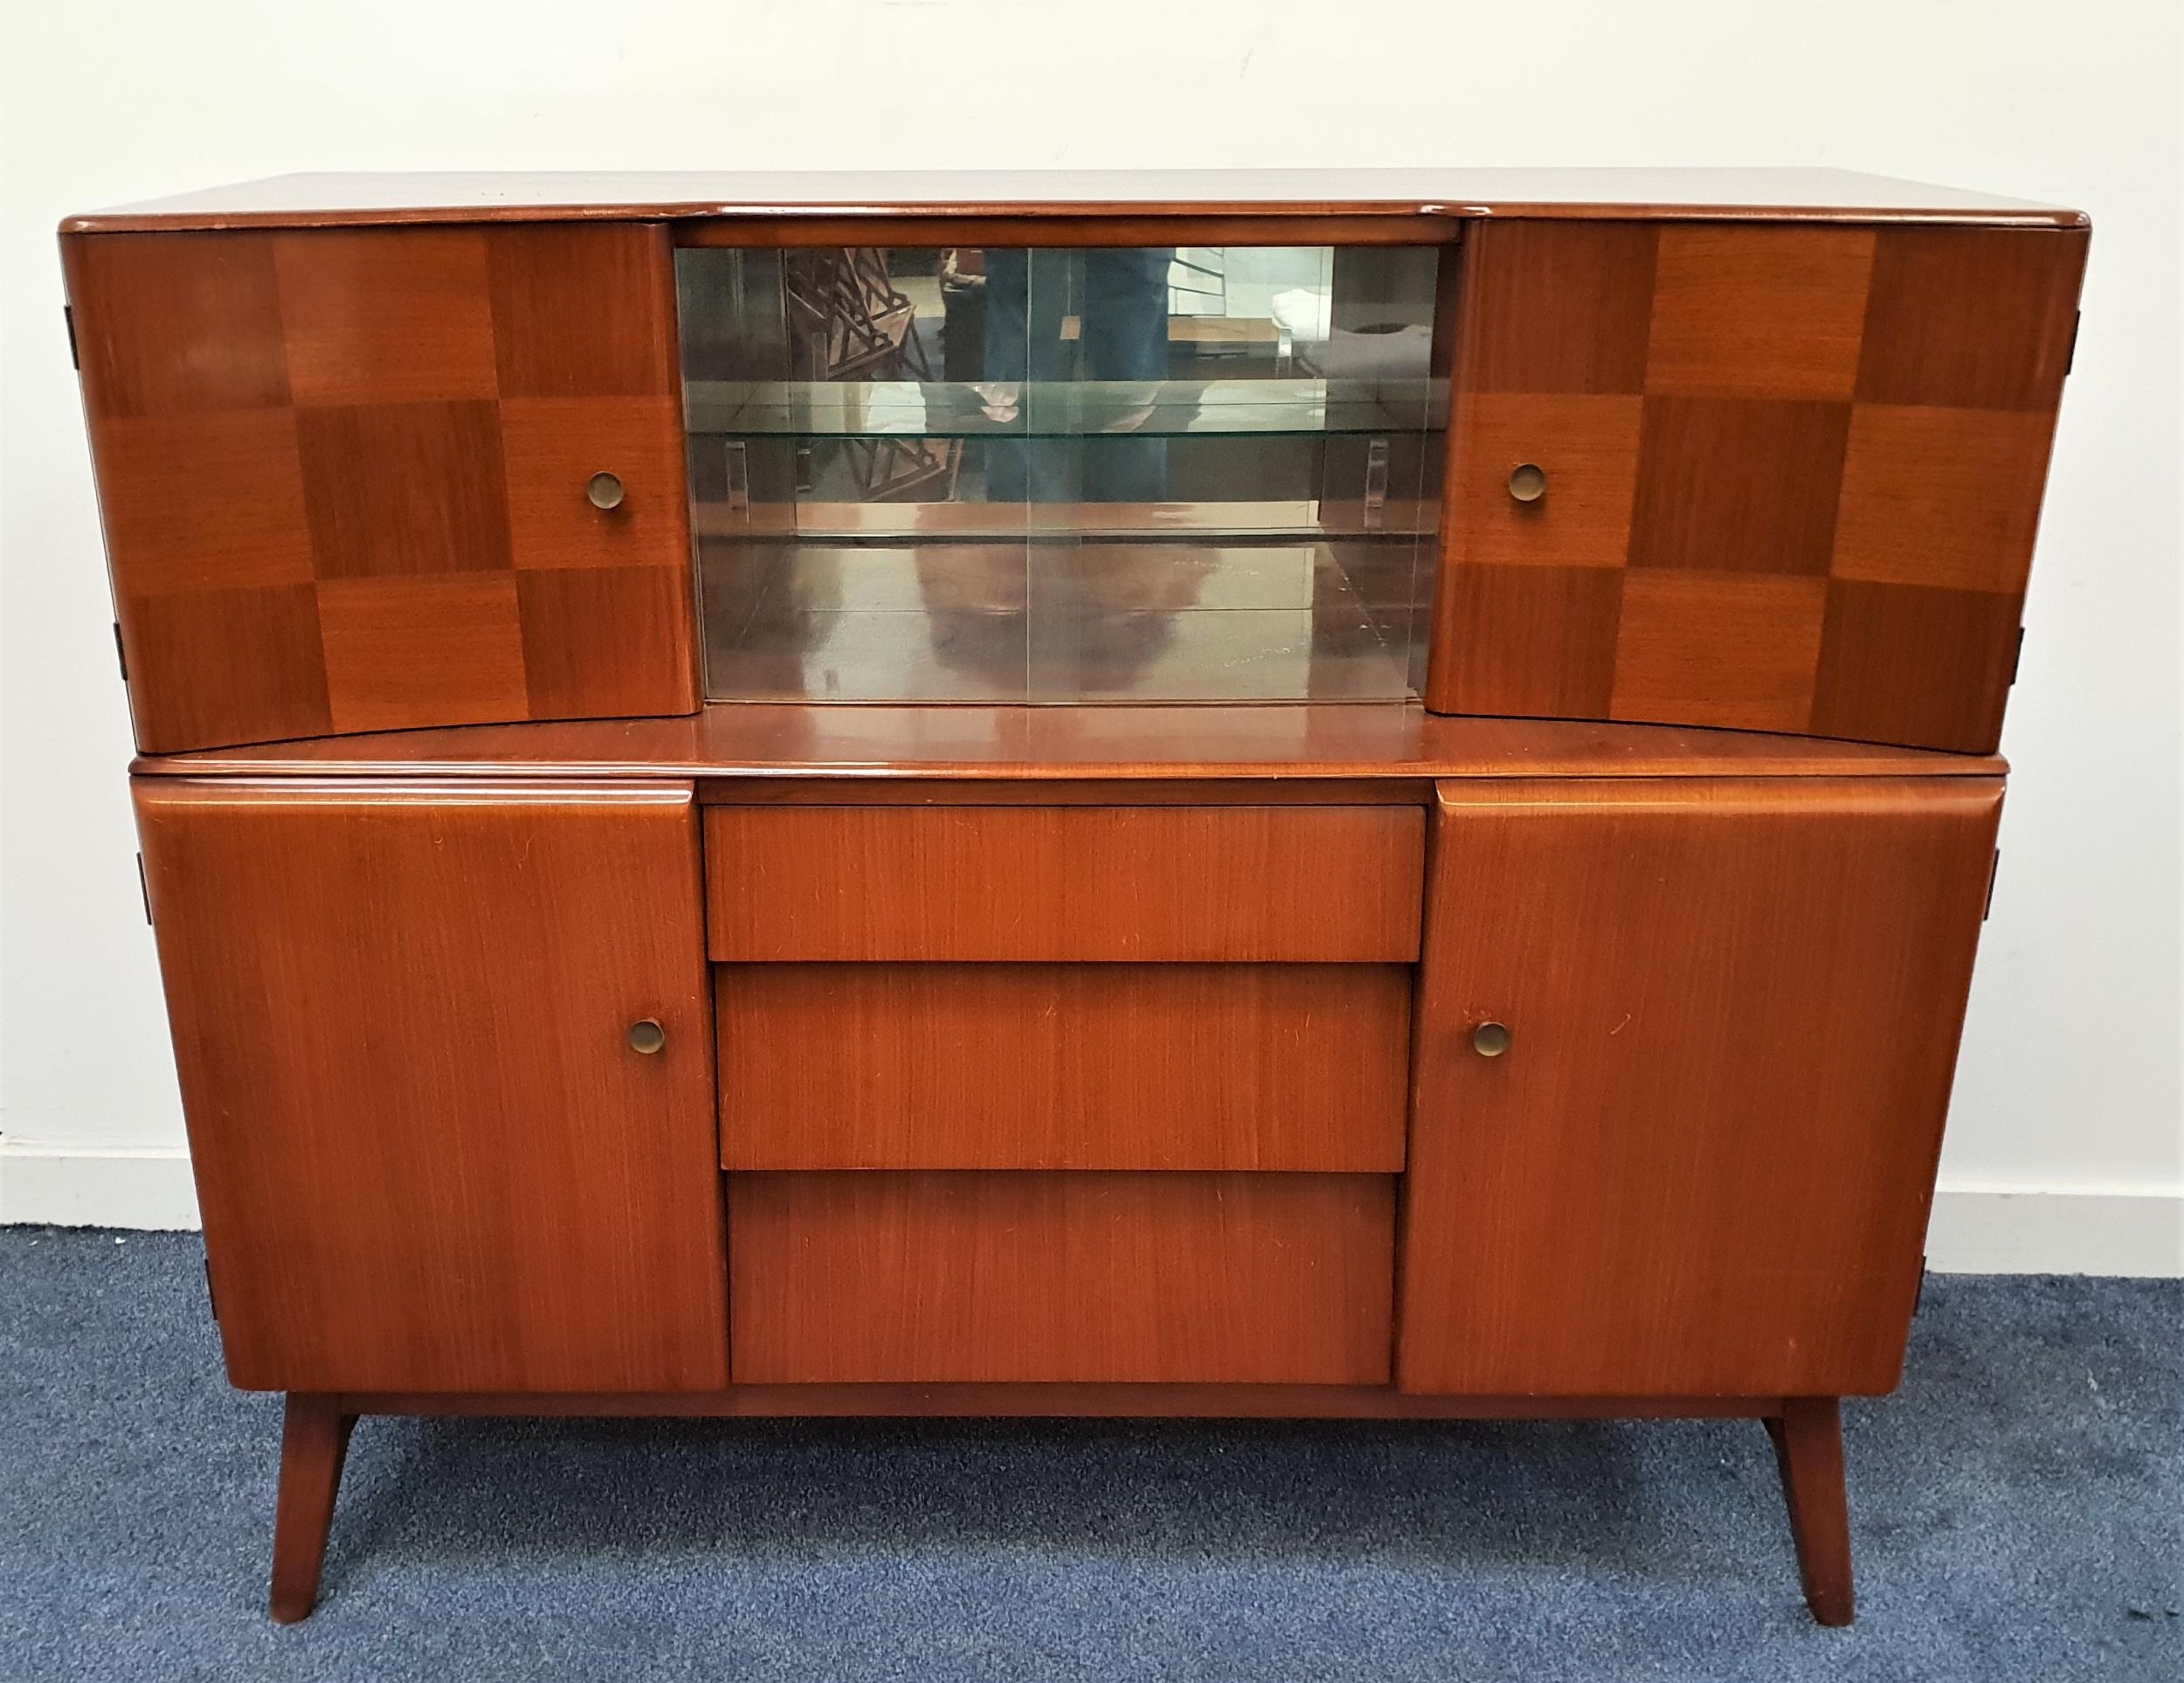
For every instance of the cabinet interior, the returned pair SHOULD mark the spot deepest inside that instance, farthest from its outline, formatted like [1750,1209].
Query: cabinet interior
[1071,475]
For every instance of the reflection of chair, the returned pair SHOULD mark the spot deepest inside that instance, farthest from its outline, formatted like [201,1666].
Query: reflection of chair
[849,322]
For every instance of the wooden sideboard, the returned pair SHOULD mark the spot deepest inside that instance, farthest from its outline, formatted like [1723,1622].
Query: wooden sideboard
[557,1035]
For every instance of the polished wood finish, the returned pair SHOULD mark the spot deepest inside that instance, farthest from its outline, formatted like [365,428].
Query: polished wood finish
[1090,1066]
[1042,1401]
[314,1444]
[426,1157]
[1071,1277]
[816,793]
[1794,474]
[1149,226]
[914,197]
[343,475]
[1262,749]
[1250,884]
[1705,1161]
[1072,1060]
[1807,1436]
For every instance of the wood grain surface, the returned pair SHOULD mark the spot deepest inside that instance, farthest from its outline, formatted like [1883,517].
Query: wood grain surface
[426,1156]
[1705,1160]
[1041,1066]
[1251,884]
[1168,1279]
[1794,474]
[344,476]
[1273,746]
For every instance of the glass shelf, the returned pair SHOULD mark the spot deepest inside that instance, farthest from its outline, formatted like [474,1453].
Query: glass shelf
[1171,474]
[1080,409]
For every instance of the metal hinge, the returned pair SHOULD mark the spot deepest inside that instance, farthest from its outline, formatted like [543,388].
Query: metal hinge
[121,655]
[68,320]
[1376,485]
[1994,870]
[144,887]
[2069,356]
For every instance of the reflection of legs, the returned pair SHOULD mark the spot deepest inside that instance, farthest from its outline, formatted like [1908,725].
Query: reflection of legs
[1125,337]
[1027,294]
[1126,315]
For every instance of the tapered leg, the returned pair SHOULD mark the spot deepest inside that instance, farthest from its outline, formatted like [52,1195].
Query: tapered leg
[314,1443]
[1807,1436]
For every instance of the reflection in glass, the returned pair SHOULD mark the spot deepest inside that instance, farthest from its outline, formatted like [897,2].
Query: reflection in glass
[1176,474]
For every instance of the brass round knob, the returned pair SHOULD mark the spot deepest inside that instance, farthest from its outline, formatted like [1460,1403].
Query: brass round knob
[646,1036]
[1489,1039]
[1527,483]
[605,490]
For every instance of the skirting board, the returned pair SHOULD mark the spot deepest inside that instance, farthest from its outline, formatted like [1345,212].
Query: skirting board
[145,1188]
[1975,1231]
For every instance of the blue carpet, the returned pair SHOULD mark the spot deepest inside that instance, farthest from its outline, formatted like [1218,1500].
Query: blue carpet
[2016,1508]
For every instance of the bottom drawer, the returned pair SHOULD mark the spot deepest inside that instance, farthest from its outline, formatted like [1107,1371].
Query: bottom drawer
[1069,1276]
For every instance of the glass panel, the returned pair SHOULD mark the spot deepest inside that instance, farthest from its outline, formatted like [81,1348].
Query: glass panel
[1184,473]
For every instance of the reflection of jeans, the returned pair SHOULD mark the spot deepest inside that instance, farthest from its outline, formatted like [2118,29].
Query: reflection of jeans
[1121,310]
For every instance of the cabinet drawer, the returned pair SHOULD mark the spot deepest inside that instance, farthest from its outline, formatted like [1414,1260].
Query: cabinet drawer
[1155,1278]
[1251,884]
[1038,1066]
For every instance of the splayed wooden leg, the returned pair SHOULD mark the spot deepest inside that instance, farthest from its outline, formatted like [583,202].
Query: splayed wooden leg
[314,1443]
[1807,1436]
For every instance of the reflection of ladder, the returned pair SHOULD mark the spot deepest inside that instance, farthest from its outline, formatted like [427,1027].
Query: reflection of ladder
[1198,281]
[849,321]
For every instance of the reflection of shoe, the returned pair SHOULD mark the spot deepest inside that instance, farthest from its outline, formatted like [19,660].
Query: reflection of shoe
[1141,400]
[997,403]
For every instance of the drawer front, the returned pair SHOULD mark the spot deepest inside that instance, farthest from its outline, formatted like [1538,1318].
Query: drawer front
[1035,1066]
[1125,1278]
[1242,884]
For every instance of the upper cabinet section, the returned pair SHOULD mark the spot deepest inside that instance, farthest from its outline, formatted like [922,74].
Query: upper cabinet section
[1779,478]
[1757,450]
[373,479]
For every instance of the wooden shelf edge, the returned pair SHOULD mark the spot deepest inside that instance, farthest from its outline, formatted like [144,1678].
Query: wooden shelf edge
[1056,1401]
[864,742]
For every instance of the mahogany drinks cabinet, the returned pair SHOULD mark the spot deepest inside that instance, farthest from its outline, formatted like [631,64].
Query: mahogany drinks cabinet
[1323,795]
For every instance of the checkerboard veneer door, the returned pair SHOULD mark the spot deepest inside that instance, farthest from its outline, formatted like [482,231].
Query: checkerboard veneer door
[345,475]
[1792,473]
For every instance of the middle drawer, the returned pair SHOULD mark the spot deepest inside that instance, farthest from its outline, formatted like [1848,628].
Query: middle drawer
[1050,1066]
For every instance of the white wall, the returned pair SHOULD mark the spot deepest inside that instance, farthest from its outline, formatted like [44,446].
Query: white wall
[2070,1083]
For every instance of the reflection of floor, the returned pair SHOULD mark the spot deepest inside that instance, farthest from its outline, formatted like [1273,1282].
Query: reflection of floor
[1059,620]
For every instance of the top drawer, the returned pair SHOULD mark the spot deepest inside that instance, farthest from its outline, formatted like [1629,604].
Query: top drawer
[1181,884]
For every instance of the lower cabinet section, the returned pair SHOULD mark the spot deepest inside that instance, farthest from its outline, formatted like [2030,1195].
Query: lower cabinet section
[1676,1058]
[1062,1276]
[1093,1066]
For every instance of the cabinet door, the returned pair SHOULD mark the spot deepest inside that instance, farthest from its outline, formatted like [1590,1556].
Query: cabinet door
[427,1155]
[345,475]
[1702,1165]
[1792,474]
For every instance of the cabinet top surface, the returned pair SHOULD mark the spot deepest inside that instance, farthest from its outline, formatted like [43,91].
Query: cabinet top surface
[308,200]
[1001,743]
